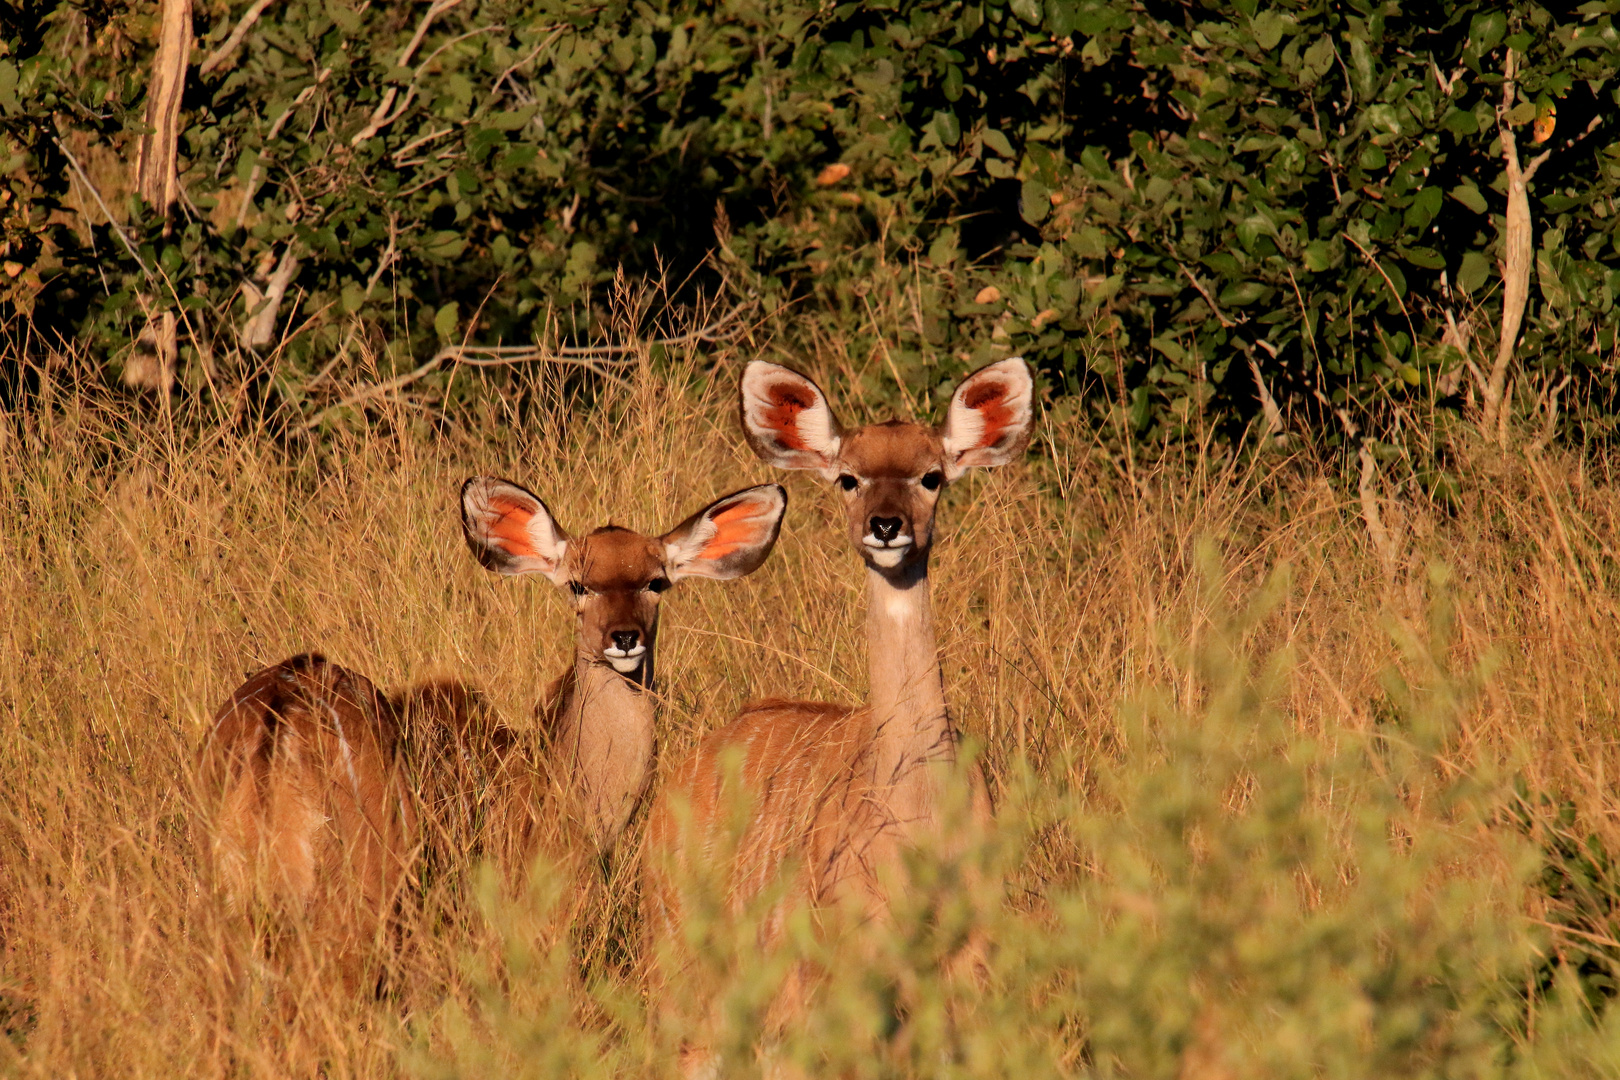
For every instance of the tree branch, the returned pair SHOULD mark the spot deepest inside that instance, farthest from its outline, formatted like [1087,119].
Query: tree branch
[229,45]
[596,358]
[129,245]
[380,117]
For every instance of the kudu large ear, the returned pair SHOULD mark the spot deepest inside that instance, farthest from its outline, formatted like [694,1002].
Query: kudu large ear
[990,417]
[786,419]
[728,538]
[509,529]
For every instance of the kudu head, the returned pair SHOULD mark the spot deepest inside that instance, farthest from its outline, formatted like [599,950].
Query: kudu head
[890,474]
[614,577]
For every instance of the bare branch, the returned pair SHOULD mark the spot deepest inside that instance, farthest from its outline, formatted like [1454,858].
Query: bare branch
[129,245]
[595,358]
[260,327]
[257,173]
[229,45]
[1208,299]
[381,117]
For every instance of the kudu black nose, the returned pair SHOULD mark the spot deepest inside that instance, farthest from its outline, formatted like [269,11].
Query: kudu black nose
[885,529]
[625,639]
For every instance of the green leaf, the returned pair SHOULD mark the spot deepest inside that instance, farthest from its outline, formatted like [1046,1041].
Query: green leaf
[1362,65]
[1552,286]
[1469,195]
[8,86]
[1243,293]
[1474,271]
[1027,10]
[1522,113]
[943,251]
[1095,162]
[1396,277]
[1172,351]
[1426,257]
[1318,59]
[1089,243]
[1269,27]
[501,250]
[1422,209]
[511,121]
[1461,123]
[445,245]
[996,141]
[1486,30]
[444,321]
[624,54]
[1035,202]
[947,128]
[1318,256]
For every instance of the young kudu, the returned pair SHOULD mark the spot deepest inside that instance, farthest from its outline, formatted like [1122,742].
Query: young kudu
[835,793]
[326,791]
[598,718]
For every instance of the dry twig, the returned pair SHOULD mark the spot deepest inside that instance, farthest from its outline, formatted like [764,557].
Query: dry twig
[112,223]
[1268,404]
[1208,299]
[257,172]
[598,359]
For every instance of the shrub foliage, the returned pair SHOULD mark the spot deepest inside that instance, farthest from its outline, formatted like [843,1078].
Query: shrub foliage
[1184,211]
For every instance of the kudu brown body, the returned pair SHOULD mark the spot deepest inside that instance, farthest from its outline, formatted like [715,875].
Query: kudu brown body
[312,807]
[834,793]
[326,793]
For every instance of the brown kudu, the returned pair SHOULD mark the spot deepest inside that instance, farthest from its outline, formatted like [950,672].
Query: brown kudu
[324,792]
[835,793]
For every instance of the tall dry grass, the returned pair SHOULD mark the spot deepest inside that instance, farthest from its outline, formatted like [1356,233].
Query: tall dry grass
[146,570]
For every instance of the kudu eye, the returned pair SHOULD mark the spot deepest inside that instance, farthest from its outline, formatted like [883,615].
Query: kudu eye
[577,588]
[932,480]
[848,482]
[657,585]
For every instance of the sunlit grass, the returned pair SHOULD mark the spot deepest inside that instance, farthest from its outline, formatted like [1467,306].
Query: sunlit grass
[1164,767]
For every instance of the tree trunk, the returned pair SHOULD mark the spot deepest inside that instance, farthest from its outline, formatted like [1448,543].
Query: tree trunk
[1517,238]
[156,164]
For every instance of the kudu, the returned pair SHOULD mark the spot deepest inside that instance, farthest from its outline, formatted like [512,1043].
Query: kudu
[326,792]
[834,794]
[599,715]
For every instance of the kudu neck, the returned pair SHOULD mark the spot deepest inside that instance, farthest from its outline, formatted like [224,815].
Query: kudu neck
[605,742]
[907,691]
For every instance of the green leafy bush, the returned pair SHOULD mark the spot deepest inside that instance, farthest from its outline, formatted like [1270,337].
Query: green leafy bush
[1183,212]
[1317,191]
